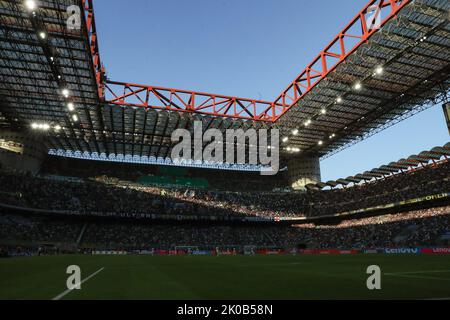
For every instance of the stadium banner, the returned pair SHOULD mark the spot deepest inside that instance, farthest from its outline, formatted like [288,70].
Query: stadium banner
[109,253]
[202,253]
[328,251]
[402,250]
[435,251]
[270,251]
[372,251]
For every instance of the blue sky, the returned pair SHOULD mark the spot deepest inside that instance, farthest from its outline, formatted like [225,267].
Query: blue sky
[247,48]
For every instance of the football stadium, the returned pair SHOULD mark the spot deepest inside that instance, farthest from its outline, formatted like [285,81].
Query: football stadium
[115,190]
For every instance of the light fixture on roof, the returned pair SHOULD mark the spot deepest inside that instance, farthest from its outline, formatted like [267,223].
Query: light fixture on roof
[40,126]
[289,149]
[339,100]
[357,86]
[332,136]
[43,35]
[75,118]
[70,106]
[379,70]
[308,122]
[58,127]
[65,93]
[323,111]
[285,139]
[320,143]
[30,5]
[295,132]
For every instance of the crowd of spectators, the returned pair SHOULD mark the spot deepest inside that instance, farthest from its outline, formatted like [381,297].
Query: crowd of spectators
[114,196]
[43,229]
[428,181]
[417,228]
[412,229]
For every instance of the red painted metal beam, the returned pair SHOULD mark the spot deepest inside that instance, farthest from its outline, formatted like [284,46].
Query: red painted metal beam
[361,28]
[143,96]
[372,17]
[89,19]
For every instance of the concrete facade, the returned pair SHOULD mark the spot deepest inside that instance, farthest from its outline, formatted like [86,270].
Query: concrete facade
[303,170]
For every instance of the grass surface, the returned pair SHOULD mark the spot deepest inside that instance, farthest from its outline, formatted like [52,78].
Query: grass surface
[236,277]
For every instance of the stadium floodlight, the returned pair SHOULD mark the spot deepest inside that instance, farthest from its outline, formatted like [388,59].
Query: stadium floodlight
[308,122]
[323,111]
[332,136]
[289,149]
[379,70]
[357,86]
[65,93]
[58,127]
[295,132]
[285,139]
[45,127]
[43,35]
[320,143]
[339,100]
[75,118]
[71,106]
[34,126]
[30,5]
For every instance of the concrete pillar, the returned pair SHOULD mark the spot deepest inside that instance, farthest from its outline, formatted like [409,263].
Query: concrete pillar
[303,170]
[22,151]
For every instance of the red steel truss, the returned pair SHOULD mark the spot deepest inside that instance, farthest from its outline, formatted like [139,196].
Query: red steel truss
[99,70]
[135,95]
[372,17]
[361,28]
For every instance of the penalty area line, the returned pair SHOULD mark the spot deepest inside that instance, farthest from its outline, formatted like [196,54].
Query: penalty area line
[63,294]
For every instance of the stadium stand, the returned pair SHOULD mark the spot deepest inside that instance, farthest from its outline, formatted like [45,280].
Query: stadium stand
[371,76]
[110,196]
[428,227]
[413,163]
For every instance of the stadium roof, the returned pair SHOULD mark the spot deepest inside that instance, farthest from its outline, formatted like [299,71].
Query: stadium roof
[402,69]
[372,75]
[401,166]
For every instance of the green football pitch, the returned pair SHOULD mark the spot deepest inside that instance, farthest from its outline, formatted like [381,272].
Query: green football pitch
[227,277]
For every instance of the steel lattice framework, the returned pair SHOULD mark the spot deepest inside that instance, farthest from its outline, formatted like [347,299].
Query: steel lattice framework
[368,21]
[321,111]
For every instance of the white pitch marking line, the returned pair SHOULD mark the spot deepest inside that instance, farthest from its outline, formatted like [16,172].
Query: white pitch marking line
[62,295]
[417,277]
[418,272]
